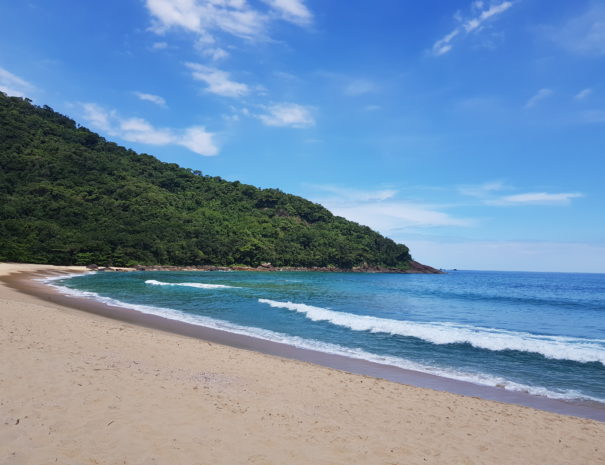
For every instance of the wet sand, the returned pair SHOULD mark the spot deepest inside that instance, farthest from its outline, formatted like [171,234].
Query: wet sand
[83,388]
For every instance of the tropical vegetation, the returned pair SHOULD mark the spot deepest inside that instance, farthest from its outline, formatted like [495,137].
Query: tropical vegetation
[68,196]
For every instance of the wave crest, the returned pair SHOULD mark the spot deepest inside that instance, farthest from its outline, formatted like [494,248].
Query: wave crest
[553,347]
[153,282]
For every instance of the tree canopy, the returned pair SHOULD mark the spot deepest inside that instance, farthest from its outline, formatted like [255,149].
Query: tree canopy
[68,196]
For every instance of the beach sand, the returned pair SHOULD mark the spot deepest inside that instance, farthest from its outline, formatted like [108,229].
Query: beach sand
[78,388]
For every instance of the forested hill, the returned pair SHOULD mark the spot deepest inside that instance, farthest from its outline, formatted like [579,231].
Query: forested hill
[68,196]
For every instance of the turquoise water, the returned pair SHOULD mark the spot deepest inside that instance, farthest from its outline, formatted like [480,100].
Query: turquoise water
[542,333]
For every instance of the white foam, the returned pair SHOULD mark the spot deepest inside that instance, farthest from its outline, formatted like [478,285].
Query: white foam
[554,347]
[48,279]
[197,285]
[325,347]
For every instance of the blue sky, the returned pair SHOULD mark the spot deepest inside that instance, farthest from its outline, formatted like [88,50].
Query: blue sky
[472,131]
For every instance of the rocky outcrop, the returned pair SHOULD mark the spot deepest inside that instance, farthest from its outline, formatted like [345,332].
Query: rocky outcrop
[414,268]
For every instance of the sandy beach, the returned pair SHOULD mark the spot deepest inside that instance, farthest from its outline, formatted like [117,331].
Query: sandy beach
[79,388]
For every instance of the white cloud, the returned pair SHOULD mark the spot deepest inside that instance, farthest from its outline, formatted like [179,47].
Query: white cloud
[180,13]
[135,125]
[233,17]
[539,96]
[294,11]
[390,216]
[98,117]
[360,87]
[488,192]
[584,34]
[583,94]
[287,114]
[382,211]
[473,24]
[536,198]
[211,21]
[151,98]
[159,46]
[509,255]
[13,85]
[206,44]
[194,138]
[215,53]
[443,45]
[139,130]
[198,140]
[219,82]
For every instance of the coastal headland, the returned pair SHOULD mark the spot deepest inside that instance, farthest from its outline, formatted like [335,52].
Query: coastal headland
[80,388]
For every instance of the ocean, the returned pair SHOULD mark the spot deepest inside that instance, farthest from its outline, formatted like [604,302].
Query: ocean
[538,333]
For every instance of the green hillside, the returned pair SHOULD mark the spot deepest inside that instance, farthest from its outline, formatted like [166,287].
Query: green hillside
[68,196]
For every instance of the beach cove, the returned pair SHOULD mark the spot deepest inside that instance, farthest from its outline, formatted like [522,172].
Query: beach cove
[81,388]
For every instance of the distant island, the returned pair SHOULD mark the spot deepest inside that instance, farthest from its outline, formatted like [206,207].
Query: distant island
[70,197]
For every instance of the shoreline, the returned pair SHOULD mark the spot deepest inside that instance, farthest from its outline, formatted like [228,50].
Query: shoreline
[414,268]
[81,388]
[29,283]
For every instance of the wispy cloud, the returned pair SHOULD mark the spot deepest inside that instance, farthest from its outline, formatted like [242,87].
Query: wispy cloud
[490,193]
[583,94]
[583,34]
[194,138]
[536,198]
[287,115]
[475,23]
[207,45]
[215,53]
[207,19]
[443,45]
[203,16]
[294,11]
[381,210]
[538,97]
[13,85]
[218,82]
[151,98]
[388,217]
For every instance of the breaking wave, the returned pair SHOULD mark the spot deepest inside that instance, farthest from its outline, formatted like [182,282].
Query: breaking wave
[553,347]
[197,285]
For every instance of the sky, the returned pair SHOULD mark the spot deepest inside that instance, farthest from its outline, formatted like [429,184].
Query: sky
[471,131]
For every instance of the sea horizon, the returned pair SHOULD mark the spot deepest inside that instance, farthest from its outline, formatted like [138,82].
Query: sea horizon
[519,271]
